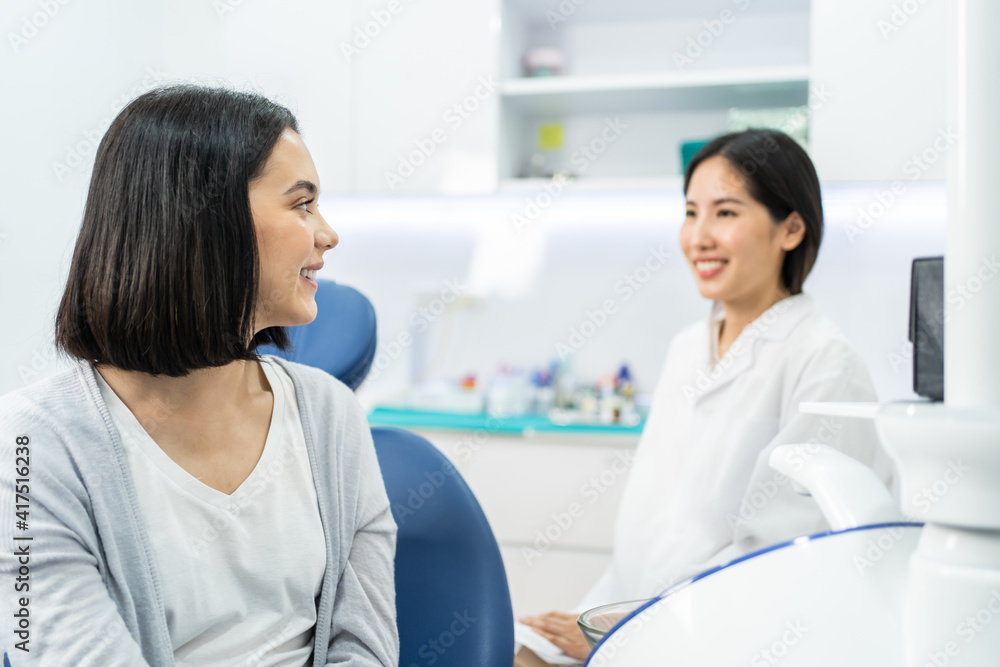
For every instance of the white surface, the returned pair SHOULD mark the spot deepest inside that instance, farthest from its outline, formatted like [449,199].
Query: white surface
[781,85]
[972,261]
[947,453]
[823,603]
[534,12]
[886,88]
[948,461]
[949,466]
[406,82]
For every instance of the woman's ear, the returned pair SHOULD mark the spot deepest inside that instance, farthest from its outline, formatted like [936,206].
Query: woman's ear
[795,230]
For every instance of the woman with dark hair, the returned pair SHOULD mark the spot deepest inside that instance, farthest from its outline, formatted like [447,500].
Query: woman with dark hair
[193,502]
[701,491]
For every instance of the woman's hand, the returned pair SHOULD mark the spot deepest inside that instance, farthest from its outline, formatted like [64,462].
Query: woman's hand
[561,629]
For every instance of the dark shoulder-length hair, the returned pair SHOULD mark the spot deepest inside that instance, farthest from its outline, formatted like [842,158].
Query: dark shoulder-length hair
[779,174]
[165,272]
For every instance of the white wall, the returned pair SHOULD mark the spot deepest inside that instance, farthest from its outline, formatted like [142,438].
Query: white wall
[401,254]
[63,87]
[882,64]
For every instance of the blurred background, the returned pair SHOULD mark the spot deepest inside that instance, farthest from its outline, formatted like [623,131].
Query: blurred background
[498,171]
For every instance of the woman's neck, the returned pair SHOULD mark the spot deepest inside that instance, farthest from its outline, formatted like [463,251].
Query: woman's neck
[201,396]
[739,313]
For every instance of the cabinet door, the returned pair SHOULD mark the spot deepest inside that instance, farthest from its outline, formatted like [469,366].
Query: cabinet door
[879,90]
[425,95]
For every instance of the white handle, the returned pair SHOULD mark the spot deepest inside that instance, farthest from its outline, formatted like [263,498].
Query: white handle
[847,491]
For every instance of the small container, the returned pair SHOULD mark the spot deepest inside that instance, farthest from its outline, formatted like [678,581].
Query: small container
[544,61]
[594,623]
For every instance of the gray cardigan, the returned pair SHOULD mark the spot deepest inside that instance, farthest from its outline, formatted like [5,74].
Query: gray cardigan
[94,595]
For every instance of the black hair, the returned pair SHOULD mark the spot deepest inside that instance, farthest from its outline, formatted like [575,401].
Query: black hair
[165,271]
[779,174]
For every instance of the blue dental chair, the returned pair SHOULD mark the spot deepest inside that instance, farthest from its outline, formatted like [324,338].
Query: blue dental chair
[452,601]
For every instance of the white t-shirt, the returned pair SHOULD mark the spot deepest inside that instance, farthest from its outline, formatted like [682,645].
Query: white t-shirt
[240,573]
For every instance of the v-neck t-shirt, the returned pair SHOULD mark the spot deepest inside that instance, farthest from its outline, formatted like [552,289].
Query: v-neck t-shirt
[240,573]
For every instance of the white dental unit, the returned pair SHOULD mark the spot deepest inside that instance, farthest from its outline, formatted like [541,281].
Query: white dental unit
[882,590]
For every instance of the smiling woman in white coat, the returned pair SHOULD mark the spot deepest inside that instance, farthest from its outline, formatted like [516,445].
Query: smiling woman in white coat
[701,491]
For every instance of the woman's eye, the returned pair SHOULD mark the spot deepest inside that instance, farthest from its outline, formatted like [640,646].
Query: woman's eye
[689,214]
[305,205]
[726,213]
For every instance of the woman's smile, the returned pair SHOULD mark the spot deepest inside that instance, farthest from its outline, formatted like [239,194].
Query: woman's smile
[708,268]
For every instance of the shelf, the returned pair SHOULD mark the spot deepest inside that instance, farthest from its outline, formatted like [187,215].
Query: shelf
[775,86]
[537,13]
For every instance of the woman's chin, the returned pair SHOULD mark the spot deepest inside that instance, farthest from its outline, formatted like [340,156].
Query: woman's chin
[710,292]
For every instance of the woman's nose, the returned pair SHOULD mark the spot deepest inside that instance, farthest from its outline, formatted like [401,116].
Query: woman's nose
[701,233]
[325,236]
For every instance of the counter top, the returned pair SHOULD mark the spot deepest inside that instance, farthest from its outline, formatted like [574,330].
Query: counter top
[528,424]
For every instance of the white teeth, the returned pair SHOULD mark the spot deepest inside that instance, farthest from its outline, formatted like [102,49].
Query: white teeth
[708,266]
[308,274]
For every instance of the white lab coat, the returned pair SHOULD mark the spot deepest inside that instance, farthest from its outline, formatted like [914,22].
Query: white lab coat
[701,491]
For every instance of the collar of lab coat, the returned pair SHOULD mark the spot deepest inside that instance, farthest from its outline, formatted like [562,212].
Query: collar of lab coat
[774,324]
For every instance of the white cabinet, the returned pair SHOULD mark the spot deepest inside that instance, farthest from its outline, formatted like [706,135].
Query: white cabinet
[640,79]
[424,96]
[882,64]
[551,501]
[437,100]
